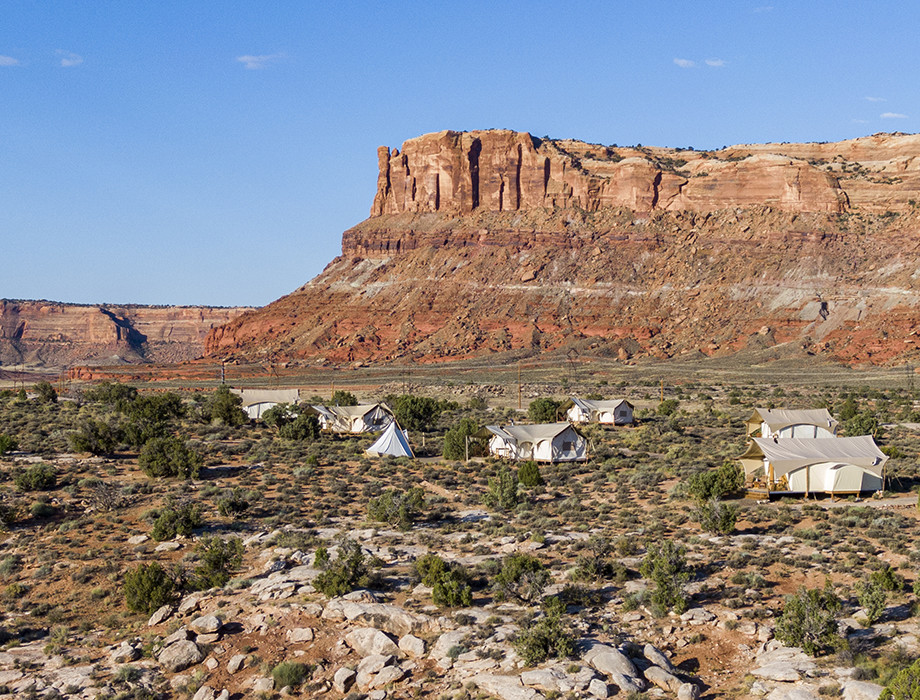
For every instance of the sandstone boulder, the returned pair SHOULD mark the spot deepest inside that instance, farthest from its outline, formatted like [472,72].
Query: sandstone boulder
[179,656]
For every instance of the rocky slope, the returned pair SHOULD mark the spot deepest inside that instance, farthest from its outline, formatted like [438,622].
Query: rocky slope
[496,241]
[51,334]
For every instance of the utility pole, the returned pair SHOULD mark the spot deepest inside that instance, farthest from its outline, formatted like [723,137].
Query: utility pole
[520,389]
[223,374]
[662,389]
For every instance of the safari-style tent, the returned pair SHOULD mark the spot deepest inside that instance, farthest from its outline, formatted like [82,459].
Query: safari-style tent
[545,442]
[611,412]
[367,418]
[847,465]
[393,441]
[257,401]
[811,423]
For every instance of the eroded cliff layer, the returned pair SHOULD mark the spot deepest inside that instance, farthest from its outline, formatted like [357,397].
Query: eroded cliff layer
[496,241]
[50,334]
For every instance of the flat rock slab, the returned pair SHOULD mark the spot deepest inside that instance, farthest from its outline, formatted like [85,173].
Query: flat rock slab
[777,672]
[389,618]
[505,687]
[792,693]
[861,690]
[181,655]
[368,641]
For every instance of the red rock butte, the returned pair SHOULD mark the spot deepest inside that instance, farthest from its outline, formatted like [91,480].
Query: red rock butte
[496,241]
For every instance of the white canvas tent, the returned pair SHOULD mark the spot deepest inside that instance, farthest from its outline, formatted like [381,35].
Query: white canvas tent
[811,423]
[547,442]
[807,465]
[612,412]
[393,441]
[257,401]
[367,418]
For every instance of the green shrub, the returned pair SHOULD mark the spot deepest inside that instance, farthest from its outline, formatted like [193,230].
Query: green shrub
[448,582]
[218,558]
[886,577]
[809,620]
[905,685]
[7,443]
[716,483]
[543,410]
[340,397]
[595,564]
[46,392]
[233,503]
[668,407]
[110,393]
[150,416]
[349,570]
[503,490]
[304,427]
[529,474]
[522,577]
[290,673]
[168,457]
[548,638]
[872,596]
[664,565]
[416,412]
[455,445]
[398,509]
[148,587]
[716,517]
[225,407]
[38,477]
[96,437]
[42,509]
[176,519]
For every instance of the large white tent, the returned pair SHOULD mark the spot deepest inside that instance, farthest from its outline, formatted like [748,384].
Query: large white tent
[392,442]
[807,465]
[257,401]
[546,442]
[366,418]
[612,412]
[783,423]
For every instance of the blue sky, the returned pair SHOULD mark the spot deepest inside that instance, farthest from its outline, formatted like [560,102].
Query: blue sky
[213,152]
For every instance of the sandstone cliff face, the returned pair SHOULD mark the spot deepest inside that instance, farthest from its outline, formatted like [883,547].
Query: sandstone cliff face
[49,334]
[495,241]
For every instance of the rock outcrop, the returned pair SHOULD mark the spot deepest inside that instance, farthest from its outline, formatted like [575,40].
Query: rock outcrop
[52,334]
[496,241]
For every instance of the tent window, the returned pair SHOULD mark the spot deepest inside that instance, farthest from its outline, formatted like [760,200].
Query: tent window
[568,446]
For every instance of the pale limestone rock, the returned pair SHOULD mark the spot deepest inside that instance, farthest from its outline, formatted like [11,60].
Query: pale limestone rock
[138,539]
[206,624]
[123,654]
[505,687]
[390,674]
[664,680]
[161,614]
[777,672]
[389,618]
[236,662]
[861,690]
[179,656]
[367,641]
[205,692]
[300,634]
[688,691]
[655,656]
[598,689]
[343,679]
[262,685]
[792,693]
[412,645]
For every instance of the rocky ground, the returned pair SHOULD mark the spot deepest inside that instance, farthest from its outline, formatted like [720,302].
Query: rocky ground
[67,632]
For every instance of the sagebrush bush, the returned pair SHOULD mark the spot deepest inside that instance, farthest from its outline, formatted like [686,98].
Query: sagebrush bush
[168,457]
[400,509]
[548,638]
[218,558]
[148,587]
[38,477]
[349,570]
[176,519]
[290,673]
[522,577]
[809,620]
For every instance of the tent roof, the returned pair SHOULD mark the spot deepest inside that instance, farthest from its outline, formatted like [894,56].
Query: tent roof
[392,441]
[527,433]
[778,418]
[593,405]
[253,396]
[789,454]
[355,411]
